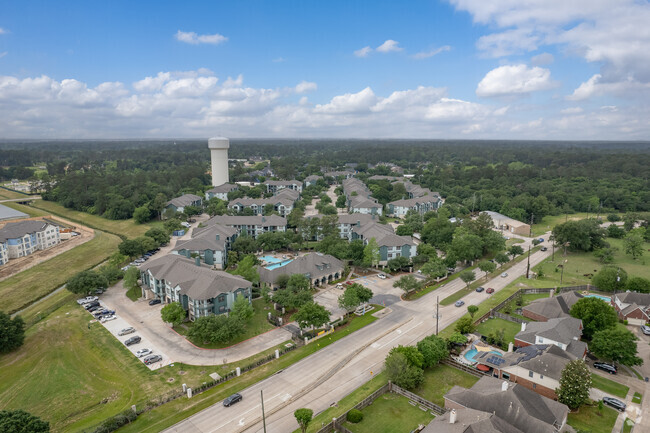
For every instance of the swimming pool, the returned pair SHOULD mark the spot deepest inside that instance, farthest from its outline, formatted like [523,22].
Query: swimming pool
[274,262]
[270,259]
[469,355]
[604,298]
[279,264]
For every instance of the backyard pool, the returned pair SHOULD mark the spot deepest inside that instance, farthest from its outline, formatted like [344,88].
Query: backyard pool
[274,262]
[604,298]
[469,355]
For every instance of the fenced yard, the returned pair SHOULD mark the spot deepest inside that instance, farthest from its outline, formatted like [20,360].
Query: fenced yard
[390,413]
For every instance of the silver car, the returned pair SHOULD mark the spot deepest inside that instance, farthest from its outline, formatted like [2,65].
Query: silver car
[126,331]
[143,352]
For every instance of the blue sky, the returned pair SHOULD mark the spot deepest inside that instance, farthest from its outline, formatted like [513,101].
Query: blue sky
[417,69]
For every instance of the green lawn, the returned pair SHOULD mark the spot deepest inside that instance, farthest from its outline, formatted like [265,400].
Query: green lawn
[550,221]
[25,287]
[628,425]
[609,386]
[134,293]
[588,419]
[7,194]
[637,398]
[419,293]
[513,241]
[492,325]
[390,413]
[257,325]
[440,379]
[530,297]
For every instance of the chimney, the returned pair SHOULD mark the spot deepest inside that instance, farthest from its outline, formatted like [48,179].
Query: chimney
[523,326]
[510,346]
[197,261]
[452,416]
[263,219]
[216,237]
[504,387]
[358,223]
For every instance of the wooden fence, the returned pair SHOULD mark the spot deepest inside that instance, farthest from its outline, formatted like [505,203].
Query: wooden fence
[466,368]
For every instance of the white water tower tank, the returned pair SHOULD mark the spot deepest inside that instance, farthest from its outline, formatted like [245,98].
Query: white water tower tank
[219,157]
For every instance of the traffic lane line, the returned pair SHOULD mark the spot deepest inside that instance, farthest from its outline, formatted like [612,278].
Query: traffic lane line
[241,415]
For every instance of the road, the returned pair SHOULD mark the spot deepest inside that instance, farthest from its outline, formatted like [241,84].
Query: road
[322,379]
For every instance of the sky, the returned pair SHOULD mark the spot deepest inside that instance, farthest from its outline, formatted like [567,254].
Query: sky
[465,69]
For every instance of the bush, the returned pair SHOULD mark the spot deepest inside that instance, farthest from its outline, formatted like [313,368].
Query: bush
[114,423]
[355,416]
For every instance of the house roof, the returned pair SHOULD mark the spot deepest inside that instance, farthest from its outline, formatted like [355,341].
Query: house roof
[184,200]
[546,359]
[7,213]
[502,219]
[317,265]
[359,202]
[21,228]
[470,421]
[554,307]
[288,193]
[641,299]
[282,182]
[223,188]
[206,239]
[197,282]
[313,177]
[262,201]
[410,202]
[255,220]
[563,330]
[517,406]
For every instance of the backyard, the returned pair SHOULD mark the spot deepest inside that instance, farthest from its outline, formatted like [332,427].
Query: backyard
[491,326]
[588,419]
[440,379]
[390,413]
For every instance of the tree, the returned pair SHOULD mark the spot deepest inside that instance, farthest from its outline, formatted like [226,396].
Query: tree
[245,244]
[131,277]
[456,338]
[638,284]
[85,282]
[158,204]
[130,248]
[281,281]
[247,269]
[19,421]
[433,350]
[487,267]
[341,202]
[412,354]
[111,272]
[575,383]
[616,345]
[242,308]
[467,276]
[595,314]
[142,214]
[501,259]
[464,325]
[610,278]
[515,250]
[292,300]
[407,283]
[12,332]
[159,235]
[434,268]
[466,246]
[173,313]
[303,416]
[633,243]
[371,253]
[605,255]
[312,314]
[298,282]
[216,329]
[397,263]
[629,220]
[271,241]
[616,232]
[472,309]
[401,372]
[581,235]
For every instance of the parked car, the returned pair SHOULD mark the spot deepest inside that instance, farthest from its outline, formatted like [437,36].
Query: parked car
[82,301]
[154,301]
[126,331]
[99,292]
[133,340]
[143,352]
[339,286]
[544,249]
[645,329]
[92,304]
[540,240]
[489,291]
[611,369]
[480,289]
[382,276]
[139,261]
[108,318]
[232,399]
[349,283]
[505,274]
[459,303]
[152,358]
[615,403]
[103,312]
[94,308]
[451,270]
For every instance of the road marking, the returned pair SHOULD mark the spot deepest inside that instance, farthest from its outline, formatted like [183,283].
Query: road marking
[399,334]
[241,421]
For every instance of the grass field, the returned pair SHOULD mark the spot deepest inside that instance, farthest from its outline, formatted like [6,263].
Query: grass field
[628,425]
[390,413]
[513,241]
[258,324]
[637,398]
[6,194]
[25,287]
[134,293]
[492,325]
[609,386]
[588,419]
[440,379]
[550,221]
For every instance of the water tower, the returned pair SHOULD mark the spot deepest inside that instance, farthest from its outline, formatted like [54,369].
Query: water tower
[219,157]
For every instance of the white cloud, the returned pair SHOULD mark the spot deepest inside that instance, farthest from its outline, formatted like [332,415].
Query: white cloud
[572,110]
[150,84]
[4,53]
[389,46]
[363,52]
[596,86]
[349,103]
[195,39]
[431,53]
[3,31]
[305,86]
[509,42]
[278,60]
[513,80]
[542,59]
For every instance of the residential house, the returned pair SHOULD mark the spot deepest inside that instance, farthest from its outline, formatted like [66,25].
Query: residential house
[510,225]
[283,206]
[390,245]
[633,307]
[7,213]
[421,205]
[266,172]
[221,191]
[201,290]
[273,186]
[564,332]
[382,177]
[359,204]
[251,225]
[541,310]
[319,268]
[415,191]
[178,204]
[210,244]
[4,253]
[493,406]
[343,174]
[311,180]
[25,237]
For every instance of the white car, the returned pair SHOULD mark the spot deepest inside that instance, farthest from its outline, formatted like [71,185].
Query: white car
[143,352]
[107,318]
[382,276]
[505,274]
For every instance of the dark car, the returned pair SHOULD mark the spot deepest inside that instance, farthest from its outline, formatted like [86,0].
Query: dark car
[480,289]
[94,308]
[232,399]
[489,291]
[152,358]
[132,340]
[611,369]
[154,301]
[544,249]
[90,305]
[615,403]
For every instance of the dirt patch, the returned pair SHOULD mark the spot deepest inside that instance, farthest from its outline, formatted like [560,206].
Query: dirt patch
[20,264]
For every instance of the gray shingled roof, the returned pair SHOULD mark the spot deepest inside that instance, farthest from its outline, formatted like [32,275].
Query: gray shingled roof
[223,188]
[562,329]
[184,200]
[197,282]
[641,299]
[282,182]
[255,220]
[470,421]
[206,239]
[7,213]
[307,264]
[21,228]
[555,307]
[415,201]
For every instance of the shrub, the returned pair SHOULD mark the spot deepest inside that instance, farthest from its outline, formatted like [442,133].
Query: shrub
[355,416]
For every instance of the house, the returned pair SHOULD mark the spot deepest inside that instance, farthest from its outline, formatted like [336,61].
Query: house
[221,191]
[178,204]
[359,204]
[415,191]
[320,268]
[210,244]
[502,222]
[382,177]
[280,204]
[311,180]
[343,174]
[541,310]
[199,289]
[251,225]
[564,332]
[7,213]
[421,205]
[537,367]
[266,172]
[273,186]
[390,245]
[493,405]
[633,307]
[4,253]
[25,237]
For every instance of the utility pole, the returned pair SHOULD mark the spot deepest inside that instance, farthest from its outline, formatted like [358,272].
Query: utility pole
[530,231]
[437,313]
[528,267]
[263,416]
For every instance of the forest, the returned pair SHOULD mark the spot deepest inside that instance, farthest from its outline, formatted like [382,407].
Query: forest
[522,179]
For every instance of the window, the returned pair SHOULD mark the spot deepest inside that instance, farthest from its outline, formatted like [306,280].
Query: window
[534,385]
[530,374]
[222,309]
[541,376]
[505,376]
[221,298]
